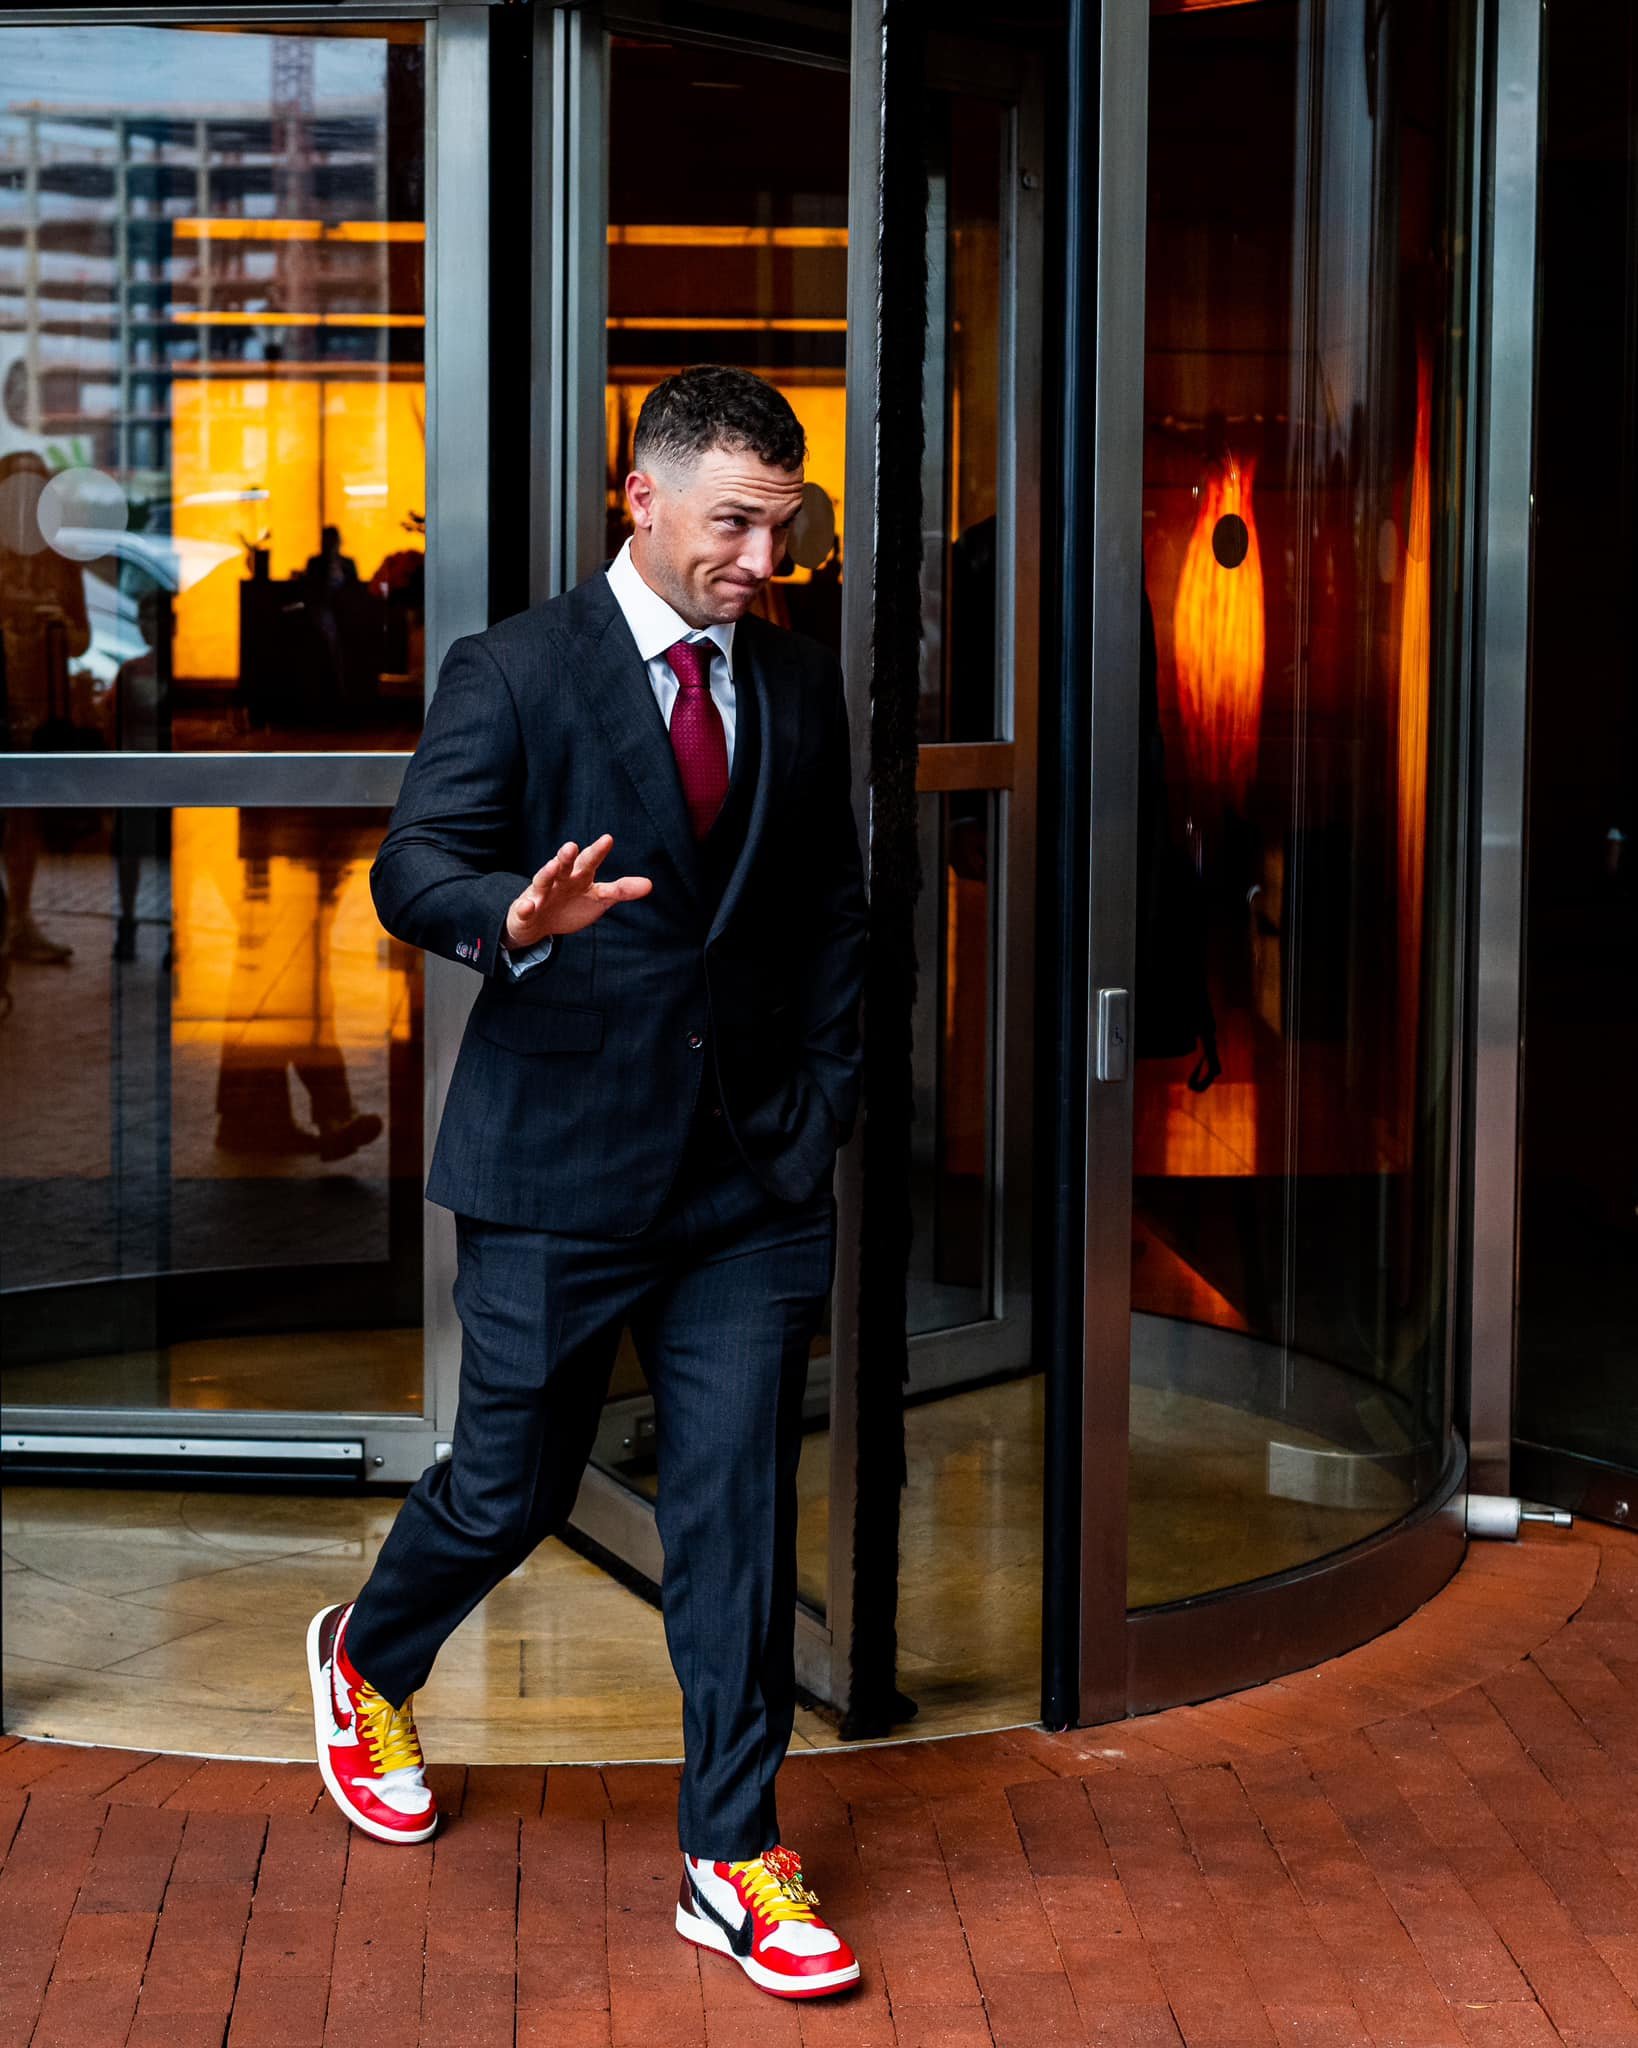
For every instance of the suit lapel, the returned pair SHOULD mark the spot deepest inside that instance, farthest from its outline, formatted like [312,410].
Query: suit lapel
[623,699]
[757,666]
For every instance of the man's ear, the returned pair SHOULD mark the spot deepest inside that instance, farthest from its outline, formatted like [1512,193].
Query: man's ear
[640,496]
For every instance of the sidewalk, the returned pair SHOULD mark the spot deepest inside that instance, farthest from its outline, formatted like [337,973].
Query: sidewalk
[1429,1843]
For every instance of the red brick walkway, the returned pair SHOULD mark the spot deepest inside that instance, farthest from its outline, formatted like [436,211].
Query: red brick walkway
[1431,1843]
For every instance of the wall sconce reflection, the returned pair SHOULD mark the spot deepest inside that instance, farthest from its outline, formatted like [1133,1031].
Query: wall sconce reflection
[1218,638]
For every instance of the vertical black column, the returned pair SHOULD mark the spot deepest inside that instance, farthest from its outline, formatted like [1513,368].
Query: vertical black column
[1064,915]
[874,1702]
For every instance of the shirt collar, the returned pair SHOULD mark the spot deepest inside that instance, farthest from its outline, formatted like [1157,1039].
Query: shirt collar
[654,625]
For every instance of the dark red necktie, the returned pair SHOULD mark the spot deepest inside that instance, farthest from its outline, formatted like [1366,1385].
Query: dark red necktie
[697,736]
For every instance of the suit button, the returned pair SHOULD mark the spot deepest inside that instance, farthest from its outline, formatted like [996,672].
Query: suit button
[695,1040]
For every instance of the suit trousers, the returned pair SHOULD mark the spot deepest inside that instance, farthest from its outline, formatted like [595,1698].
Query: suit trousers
[722,1294]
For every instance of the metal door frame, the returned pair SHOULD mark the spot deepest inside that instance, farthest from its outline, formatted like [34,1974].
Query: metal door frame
[1516,113]
[395,1448]
[1102,573]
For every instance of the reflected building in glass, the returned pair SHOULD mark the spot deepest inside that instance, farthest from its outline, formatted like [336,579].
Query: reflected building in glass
[216,306]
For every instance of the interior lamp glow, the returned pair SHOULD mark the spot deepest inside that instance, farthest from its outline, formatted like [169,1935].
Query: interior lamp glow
[1218,637]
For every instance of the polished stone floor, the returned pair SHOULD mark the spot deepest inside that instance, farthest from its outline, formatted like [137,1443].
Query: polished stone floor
[174,1620]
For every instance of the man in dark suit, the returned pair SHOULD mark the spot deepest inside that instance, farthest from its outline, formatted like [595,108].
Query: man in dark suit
[641,1127]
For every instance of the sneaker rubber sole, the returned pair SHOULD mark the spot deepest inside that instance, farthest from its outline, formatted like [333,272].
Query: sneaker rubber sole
[323,1722]
[706,1934]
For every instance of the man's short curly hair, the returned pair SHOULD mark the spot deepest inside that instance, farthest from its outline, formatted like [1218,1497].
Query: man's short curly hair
[711,406]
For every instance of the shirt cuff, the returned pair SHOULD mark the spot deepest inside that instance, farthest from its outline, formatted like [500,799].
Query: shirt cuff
[518,964]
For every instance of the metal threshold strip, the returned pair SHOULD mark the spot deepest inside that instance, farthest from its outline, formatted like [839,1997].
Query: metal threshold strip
[44,1455]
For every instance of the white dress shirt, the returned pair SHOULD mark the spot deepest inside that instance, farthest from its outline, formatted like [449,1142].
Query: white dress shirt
[655,627]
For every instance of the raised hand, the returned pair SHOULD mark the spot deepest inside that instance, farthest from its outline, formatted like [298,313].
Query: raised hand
[566,896]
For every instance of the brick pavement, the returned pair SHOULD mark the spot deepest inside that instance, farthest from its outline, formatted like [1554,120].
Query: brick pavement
[1429,1843]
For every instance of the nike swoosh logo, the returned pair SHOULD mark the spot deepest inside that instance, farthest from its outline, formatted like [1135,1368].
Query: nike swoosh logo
[339,1711]
[739,1938]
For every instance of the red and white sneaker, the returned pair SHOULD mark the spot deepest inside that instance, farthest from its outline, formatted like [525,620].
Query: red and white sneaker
[368,1751]
[763,1915]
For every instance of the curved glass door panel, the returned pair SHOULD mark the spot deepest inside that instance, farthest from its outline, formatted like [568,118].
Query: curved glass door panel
[1298,780]
[966,671]
[750,268]
[737,255]
[211,1121]
[212,387]
[966,701]
[970,1553]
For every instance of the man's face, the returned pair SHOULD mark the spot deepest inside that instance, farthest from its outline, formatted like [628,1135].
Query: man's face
[708,538]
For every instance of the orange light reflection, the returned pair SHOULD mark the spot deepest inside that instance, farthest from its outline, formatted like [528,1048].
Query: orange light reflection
[650,236]
[205,317]
[1412,764]
[725,323]
[1218,643]
[284,458]
[200,228]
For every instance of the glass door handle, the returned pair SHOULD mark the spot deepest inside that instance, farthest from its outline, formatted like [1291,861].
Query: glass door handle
[1113,1004]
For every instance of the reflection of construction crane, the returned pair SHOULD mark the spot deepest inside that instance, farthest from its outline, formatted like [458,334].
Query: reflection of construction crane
[292,109]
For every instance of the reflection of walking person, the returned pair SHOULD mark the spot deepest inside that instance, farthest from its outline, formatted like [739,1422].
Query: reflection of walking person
[43,625]
[640,1131]
[330,569]
[326,576]
[284,1019]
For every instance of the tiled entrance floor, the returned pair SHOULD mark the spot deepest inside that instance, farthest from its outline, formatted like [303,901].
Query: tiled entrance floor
[1429,1843]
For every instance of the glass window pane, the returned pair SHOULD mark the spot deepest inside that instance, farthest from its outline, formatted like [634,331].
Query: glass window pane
[964,669]
[212,387]
[737,254]
[1298,781]
[210,1118]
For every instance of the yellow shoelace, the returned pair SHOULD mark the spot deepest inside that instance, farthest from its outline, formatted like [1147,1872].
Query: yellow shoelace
[389,1732]
[774,1882]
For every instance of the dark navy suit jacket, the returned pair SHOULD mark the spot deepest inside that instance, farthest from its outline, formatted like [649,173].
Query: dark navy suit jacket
[577,1084]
